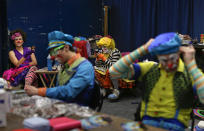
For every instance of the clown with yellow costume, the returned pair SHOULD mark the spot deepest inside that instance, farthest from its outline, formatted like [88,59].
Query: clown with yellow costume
[105,58]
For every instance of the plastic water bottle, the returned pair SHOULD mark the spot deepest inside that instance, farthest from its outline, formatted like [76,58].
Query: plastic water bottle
[49,63]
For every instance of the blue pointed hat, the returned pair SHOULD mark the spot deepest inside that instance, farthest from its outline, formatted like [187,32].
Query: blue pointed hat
[58,38]
[165,43]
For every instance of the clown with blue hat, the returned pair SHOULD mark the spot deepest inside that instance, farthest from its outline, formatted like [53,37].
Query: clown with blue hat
[75,82]
[58,40]
[168,85]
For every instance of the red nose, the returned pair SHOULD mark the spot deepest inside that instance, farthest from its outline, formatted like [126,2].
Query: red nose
[170,65]
[59,56]
[52,57]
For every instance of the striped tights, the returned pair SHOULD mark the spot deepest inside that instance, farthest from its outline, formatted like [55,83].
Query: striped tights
[31,78]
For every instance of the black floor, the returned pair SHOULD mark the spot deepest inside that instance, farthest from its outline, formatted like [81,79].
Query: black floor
[125,107]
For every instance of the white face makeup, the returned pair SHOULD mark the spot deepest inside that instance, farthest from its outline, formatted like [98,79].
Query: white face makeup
[105,50]
[169,62]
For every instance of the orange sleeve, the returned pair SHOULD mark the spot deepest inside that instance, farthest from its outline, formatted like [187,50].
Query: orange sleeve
[42,91]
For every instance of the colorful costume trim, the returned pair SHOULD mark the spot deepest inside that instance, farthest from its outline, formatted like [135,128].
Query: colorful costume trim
[198,78]
[169,124]
[105,81]
[199,113]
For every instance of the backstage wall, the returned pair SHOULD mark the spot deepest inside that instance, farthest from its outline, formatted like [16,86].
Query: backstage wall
[38,17]
[133,22]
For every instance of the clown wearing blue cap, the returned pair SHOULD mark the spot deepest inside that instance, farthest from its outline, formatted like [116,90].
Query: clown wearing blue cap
[75,81]
[168,85]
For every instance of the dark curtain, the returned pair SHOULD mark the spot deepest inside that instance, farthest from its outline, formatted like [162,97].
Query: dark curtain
[133,22]
[39,17]
[198,18]
[3,37]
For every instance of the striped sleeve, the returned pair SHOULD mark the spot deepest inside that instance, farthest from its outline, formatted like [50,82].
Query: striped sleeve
[99,63]
[124,68]
[198,78]
[113,58]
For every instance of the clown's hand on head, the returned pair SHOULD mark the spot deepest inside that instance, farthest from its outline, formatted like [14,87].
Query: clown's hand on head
[148,43]
[188,53]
